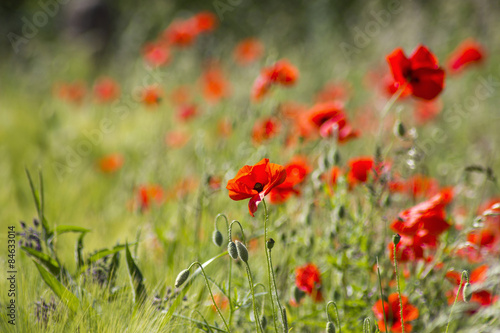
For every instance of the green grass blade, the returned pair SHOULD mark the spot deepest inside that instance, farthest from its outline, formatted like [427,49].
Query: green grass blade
[136,278]
[47,261]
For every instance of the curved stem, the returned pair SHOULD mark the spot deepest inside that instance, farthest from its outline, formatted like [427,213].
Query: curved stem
[399,291]
[217,218]
[230,229]
[269,270]
[336,312]
[258,326]
[210,291]
[381,296]
[456,297]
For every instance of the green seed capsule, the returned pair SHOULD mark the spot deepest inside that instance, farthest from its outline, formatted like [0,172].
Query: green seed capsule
[242,251]
[217,238]
[270,243]
[399,129]
[181,278]
[330,328]
[466,292]
[395,239]
[233,251]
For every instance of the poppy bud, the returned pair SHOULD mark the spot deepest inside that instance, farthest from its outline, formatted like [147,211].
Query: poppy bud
[330,328]
[270,243]
[298,294]
[217,238]
[466,293]
[263,322]
[399,129]
[395,239]
[341,212]
[233,252]
[181,278]
[242,251]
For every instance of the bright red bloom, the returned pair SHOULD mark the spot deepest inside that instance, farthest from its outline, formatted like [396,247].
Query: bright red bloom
[417,186]
[359,170]
[308,279]
[187,112]
[478,276]
[248,51]
[330,119]
[265,129]
[152,95]
[106,90]
[181,33]
[391,311]
[296,171]
[147,194]
[281,73]
[409,249]
[214,84]
[156,54]
[111,163]
[467,53]
[205,21]
[254,182]
[421,72]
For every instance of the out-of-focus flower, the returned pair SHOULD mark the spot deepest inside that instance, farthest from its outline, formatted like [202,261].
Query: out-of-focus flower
[180,95]
[176,139]
[147,194]
[247,51]
[187,112]
[392,312]
[333,92]
[420,73]
[214,85]
[467,53]
[330,119]
[254,182]
[156,54]
[221,301]
[71,92]
[151,95]
[296,170]
[106,90]
[480,297]
[183,32]
[281,73]
[265,129]
[308,279]
[111,163]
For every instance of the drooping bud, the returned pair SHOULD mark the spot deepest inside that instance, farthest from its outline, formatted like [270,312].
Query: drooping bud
[330,328]
[181,278]
[217,238]
[466,292]
[270,243]
[395,239]
[233,251]
[242,251]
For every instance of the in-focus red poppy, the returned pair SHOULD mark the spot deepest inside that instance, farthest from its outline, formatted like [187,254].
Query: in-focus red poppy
[330,120]
[392,312]
[467,53]
[281,73]
[308,279]
[152,95]
[214,84]
[254,182]
[480,297]
[421,72]
[425,111]
[156,54]
[106,90]
[296,171]
[265,129]
[247,51]
[71,92]
[427,216]
[111,163]
[146,194]
[187,112]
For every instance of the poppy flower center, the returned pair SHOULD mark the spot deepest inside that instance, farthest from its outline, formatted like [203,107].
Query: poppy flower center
[258,187]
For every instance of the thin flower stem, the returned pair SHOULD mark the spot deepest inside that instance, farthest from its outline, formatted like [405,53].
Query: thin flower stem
[274,285]
[381,296]
[258,326]
[336,313]
[269,270]
[211,294]
[386,109]
[399,291]
[456,297]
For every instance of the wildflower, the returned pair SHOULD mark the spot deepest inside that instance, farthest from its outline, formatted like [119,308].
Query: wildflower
[45,311]
[187,112]
[176,139]
[255,182]
[391,311]
[214,84]
[106,90]
[156,54]
[151,95]
[296,170]
[221,301]
[31,237]
[330,119]
[71,92]
[420,73]
[147,194]
[111,163]
[248,51]
[265,129]
[308,279]
[466,54]
[281,73]
[359,170]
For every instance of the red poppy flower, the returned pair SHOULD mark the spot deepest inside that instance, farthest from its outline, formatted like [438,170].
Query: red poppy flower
[181,33]
[281,73]
[156,54]
[308,279]
[467,53]
[106,90]
[187,112]
[329,118]
[111,163]
[176,139]
[152,95]
[180,95]
[359,170]
[391,311]
[214,84]
[421,72]
[409,249]
[421,186]
[248,51]
[265,129]
[205,21]
[254,182]
[71,92]
[296,171]
[478,276]
[147,194]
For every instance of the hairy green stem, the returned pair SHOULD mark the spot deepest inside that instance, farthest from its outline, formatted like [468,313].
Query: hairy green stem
[399,291]
[381,296]
[336,313]
[258,326]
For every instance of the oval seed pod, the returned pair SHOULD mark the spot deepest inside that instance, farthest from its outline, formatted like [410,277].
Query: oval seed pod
[330,328]
[270,243]
[399,129]
[242,251]
[466,292]
[395,239]
[263,322]
[181,278]
[233,252]
[217,238]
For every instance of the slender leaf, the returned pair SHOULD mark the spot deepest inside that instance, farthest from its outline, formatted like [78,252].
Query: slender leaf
[78,251]
[61,229]
[47,261]
[66,296]
[136,278]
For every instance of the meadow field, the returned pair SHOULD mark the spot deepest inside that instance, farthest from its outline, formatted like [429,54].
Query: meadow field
[232,166]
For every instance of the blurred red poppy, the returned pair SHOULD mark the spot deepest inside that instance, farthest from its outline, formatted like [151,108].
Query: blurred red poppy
[247,51]
[156,54]
[111,163]
[106,90]
[308,279]
[187,112]
[254,182]
[281,73]
[359,170]
[425,111]
[333,92]
[330,119]
[176,139]
[265,129]
[206,21]
[466,54]
[151,95]
[146,194]
[420,73]
[296,171]
[214,85]
[71,92]
[392,312]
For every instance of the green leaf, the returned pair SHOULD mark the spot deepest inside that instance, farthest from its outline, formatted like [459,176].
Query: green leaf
[51,264]
[61,229]
[78,251]
[113,268]
[136,278]
[66,296]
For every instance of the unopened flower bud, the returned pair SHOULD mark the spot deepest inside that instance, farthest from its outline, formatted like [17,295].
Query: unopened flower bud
[270,243]
[395,239]
[341,212]
[330,328]
[242,251]
[217,238]
[466,292]
[263,322]
[298,294]
[181,278]
[233,251]
[399,129]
